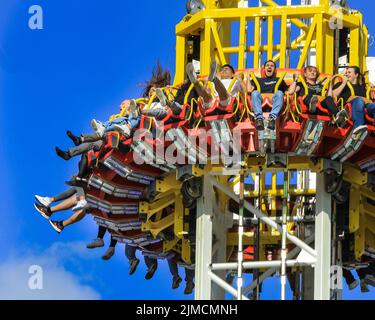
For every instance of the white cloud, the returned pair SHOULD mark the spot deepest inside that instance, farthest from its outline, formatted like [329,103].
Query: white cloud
[58,283]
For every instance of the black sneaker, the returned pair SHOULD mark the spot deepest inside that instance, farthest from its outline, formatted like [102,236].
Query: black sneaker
[57,225]
[43,210]
[76,140]
[63,154]
[271,124]
[259,124]
[133,266]
[340,118]
[176,282]
[151,271]
[213,71]
[189,287]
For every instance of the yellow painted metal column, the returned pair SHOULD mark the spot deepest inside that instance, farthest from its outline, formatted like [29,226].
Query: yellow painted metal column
[329,48]
[206,45]
[180,59]
[283,41]
[270,38]
[242,44]
[319,41]
[256,42]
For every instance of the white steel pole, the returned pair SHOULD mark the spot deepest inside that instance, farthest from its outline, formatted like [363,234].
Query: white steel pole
[203,254]
[283,235]
[322,240]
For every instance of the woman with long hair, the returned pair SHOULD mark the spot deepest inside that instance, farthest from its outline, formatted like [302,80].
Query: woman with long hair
[359,101]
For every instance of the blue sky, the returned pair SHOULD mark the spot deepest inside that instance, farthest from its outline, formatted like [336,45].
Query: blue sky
[90,55]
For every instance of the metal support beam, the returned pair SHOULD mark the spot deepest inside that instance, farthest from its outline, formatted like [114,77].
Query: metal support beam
[322,241]
[204,256]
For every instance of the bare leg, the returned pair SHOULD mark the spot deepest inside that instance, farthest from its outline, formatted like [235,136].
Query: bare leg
[75,217]
[66,204]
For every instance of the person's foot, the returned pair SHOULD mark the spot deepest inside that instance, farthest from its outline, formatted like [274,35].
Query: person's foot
[57,225]
[229,278]
[62,154]
[370,280]
[81,204]
[96,243]
[122,129]
[133,266]
[134,109]
[151,271]
[271,124]
[46,201]
[191,73]
[364,287]
[353,285]
[76,140]
[213,71]
[161,96]
[259,124]
[76,181]
[360,129]
[189,287]
[109,254]
[43,210]
[313,102]
[341,117]
[176,282]
[98,127]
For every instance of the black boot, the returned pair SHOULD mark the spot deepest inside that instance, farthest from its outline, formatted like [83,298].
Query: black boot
[63,154]
[271,124]
[76,140]
[259,124]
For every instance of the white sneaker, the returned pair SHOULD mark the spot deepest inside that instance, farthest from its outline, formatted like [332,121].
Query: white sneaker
[81,204]
[162,98]
[191,73]
[98,127]
[46,201]
[134,110]
[123,129]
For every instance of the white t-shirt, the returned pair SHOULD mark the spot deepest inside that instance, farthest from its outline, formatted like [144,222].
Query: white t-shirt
[236,88]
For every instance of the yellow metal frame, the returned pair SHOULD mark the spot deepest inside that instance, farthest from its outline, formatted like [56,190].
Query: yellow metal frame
[214,27]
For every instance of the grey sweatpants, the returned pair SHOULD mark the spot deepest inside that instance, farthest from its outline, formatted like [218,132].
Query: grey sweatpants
[85,147]
[68,193]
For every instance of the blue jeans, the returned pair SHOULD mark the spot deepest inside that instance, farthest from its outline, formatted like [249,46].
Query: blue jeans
[109,125]
[358,111]
[277,104]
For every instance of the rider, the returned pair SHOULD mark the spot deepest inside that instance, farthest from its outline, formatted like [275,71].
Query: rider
[267,85]
[315,94]
[354,78]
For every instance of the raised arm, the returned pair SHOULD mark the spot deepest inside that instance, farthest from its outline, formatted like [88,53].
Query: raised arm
[294,87]
[249,86]
[337,92]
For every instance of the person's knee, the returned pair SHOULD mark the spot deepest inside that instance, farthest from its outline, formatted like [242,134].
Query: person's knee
[279,94]
[256,94]
[225,103]
[358,104]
